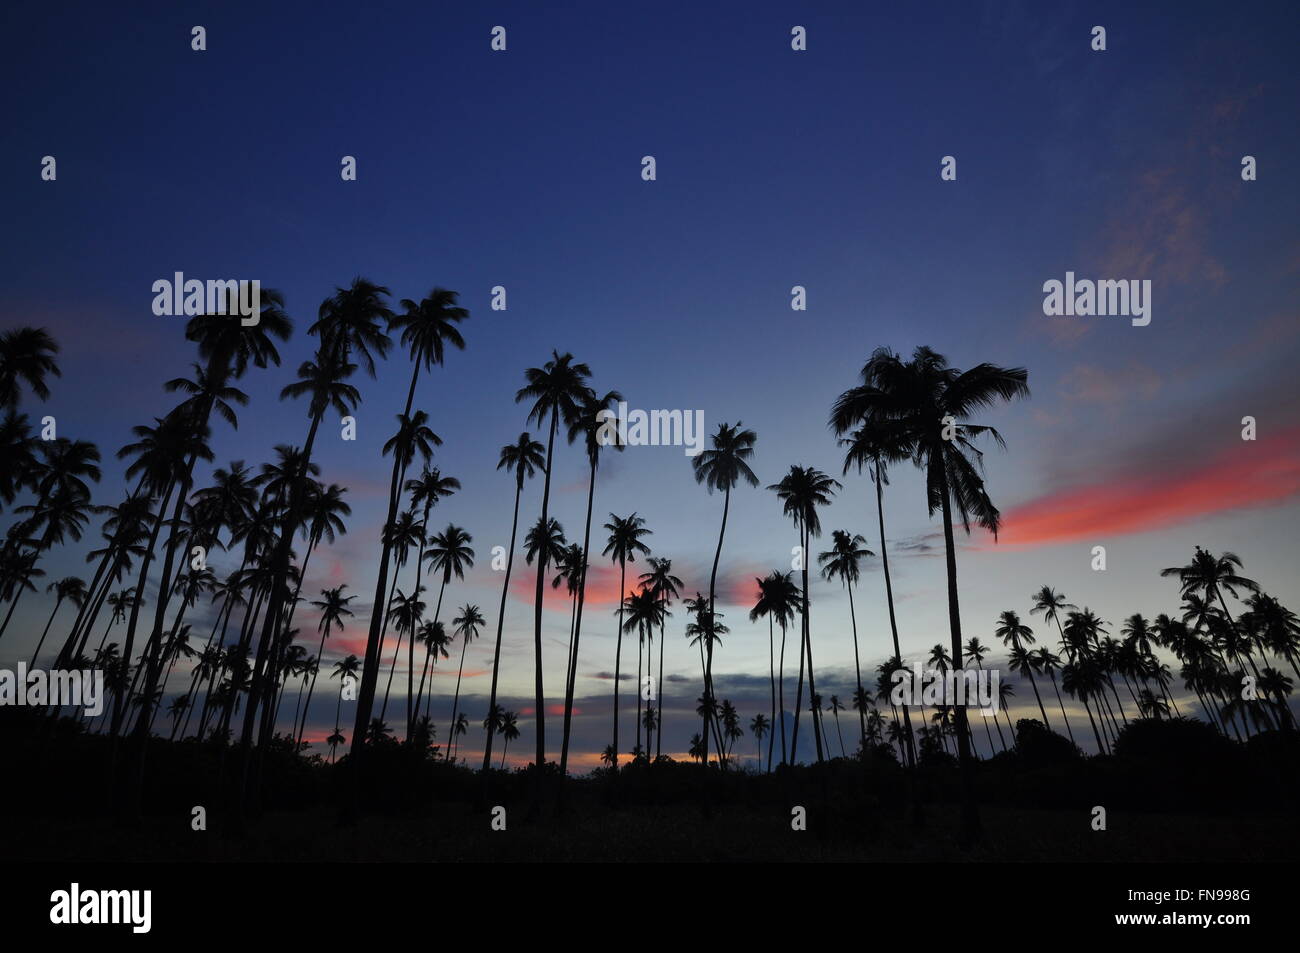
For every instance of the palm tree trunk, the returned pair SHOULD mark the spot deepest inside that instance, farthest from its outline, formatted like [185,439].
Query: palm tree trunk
[889,598]
[970,811]
[1060,702]
[501,618]
[539,689]
[572,675]
[771,669]
[857,668]
[780,688]
[37,651]
[455,703]
[708,664]
[618,651]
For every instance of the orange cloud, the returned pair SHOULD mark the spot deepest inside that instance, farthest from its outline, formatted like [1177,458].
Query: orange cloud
[1258,473]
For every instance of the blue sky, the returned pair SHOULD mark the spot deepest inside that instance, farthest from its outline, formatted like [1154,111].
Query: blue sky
[775,168]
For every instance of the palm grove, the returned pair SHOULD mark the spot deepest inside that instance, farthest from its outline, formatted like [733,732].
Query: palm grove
[253,674]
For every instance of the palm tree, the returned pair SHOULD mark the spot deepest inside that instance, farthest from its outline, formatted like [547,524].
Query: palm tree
[413,438]
[466,626]
[1050,663]
[426,491]
[801,491]
[509,732]
[347,325]
[160,455]
[436,644]
[344,669]
[874,444]
[929,402]
[459,726]
[557,390]
[333,608]
[449,552]
[69,588]
[58,475]
[623,544]
[842,562]
[26,357]
[523,458]
[976,652]
[405,612]
[760,728]
[778,599]
[1015,634]
[644,612]
[721,467]
[589,424]
[836,708]
[666,587]
[1213,575]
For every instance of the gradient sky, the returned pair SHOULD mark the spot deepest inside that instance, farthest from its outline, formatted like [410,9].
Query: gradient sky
[775,168]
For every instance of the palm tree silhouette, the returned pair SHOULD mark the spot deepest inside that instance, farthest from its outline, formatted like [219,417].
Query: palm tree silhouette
[523,458]
[69,588]
[801,491]
[450,554]
[842,562]
[466,625]
[720,467]
[666,587]
[589,424]
[623,544]
[760,728]
[557,390]
[643,612]
[509,732]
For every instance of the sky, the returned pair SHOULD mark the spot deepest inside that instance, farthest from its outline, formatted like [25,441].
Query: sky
[774,168]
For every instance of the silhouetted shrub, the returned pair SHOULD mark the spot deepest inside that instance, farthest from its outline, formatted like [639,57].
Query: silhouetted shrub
[1038,746]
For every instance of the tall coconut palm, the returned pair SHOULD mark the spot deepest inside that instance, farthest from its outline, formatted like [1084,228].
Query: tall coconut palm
[591,424]
[976,652]
[778,597]
[347,327]
[523,458]
[721,467]
[1050,663]
[69,588]
[622,546]
[760,728]
[333,608]
[426,492]
[1016,635]
[557,390]
[467,626]
[449,554]
[874,443]
[930,403]
[666,587]
[1214,575]
[509,732]
[801,491]
[644,612]
[344,669]
[433,635]
[57,474]
[842,561]
[161,454]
